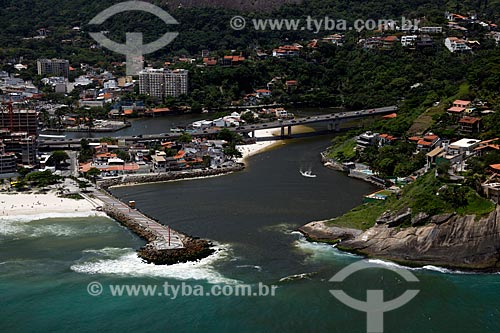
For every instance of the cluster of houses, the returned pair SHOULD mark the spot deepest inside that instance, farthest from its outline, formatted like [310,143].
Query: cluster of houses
[468,115]
[232,120]
[172,156]
[15,89]
[198,153]
[456,153]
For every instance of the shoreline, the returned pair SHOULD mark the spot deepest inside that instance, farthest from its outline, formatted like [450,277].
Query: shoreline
[248,151]
[33,207]
[448,241]
[448,245]
[168,177]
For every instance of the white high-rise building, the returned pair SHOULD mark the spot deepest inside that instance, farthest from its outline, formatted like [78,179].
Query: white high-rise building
[160,83]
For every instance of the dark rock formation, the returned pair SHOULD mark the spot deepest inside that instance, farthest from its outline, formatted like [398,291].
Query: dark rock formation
[395,219]
[447,240]
[319,231]
[419,219]
[440,219]
[459,242]
[194,248]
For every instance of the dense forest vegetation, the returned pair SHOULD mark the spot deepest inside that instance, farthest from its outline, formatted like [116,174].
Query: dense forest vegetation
[347,76]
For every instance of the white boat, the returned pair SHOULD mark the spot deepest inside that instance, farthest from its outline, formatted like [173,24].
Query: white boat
[307,174]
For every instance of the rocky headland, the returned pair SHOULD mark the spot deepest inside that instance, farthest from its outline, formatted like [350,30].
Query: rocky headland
[448,240]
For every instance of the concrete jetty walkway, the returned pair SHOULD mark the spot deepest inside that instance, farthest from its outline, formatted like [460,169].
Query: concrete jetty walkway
[164,237]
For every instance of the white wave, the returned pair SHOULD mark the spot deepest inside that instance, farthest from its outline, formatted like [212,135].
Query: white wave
[125,262]
[445,270]
[282,227]
[25,229]
[390,264]
[432,268]
[320,250]
[37,217]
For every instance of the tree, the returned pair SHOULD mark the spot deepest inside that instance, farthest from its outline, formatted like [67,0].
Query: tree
[231,152]
[249,117]
[93,173]
[185,138]
[123,155]
[85,151]
[42,178]
[230,137]
[57,158]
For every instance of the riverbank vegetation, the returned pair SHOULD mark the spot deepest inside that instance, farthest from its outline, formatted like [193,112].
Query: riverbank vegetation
[429,194]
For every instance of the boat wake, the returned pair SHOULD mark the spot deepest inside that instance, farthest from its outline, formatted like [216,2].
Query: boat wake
[296,277]
[125,262]
[258,268]
[307,174]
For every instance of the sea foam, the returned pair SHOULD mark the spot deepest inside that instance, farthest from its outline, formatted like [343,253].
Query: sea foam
[26,228]
[37,217]
[125,262]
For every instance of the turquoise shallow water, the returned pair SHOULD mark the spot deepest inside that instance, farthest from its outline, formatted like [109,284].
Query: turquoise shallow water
[46,266]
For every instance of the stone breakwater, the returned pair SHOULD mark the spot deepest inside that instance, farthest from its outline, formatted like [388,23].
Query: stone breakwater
[192,249]
[448,240]
[170,176]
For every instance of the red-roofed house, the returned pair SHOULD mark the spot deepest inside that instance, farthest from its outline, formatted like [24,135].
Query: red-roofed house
[291,85]
[262,93]
[388,42]
[158,111]
[495,168]
[462,103]
[470,125]
[459,106]
[210,61]
[428,142]
[232,60]
[487,146]
[286,51]
[386,139]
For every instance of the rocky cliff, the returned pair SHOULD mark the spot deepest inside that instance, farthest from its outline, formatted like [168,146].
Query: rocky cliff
[457,242]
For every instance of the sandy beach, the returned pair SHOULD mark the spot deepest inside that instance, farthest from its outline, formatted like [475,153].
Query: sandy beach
[41,206]
[258,147]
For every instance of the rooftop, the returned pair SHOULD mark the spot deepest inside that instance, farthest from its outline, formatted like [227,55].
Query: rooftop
[465,143]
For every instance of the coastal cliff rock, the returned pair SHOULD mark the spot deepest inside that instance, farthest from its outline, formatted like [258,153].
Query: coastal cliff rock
[458,242]
[462,242]
[395,219]
[320,232]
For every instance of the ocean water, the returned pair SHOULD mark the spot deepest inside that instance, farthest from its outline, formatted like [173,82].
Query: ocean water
[46,266]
